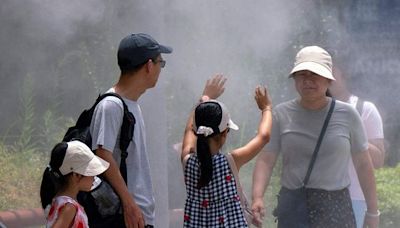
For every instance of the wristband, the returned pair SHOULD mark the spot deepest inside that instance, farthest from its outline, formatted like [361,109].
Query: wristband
[267,109]
[369,214]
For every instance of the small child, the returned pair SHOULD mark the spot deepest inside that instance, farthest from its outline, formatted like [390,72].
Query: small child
[72,168]
[212,197]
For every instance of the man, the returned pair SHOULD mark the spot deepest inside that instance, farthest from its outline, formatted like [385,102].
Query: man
[373,126]
[140,62]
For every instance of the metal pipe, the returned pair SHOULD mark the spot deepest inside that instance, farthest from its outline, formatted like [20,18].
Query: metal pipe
[22,218]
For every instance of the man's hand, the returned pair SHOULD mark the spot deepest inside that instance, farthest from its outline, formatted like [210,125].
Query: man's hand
[371,221]
[214,87]
[133,216]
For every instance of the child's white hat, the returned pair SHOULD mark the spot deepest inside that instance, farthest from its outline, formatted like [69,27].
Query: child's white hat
[225,122]
[80,159]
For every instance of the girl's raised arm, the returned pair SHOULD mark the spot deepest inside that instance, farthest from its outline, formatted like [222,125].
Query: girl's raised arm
[212,90]
[244,154]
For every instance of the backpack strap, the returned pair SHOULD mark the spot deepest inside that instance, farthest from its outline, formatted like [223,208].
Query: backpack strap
[233,167]
[360,105]
[126,132]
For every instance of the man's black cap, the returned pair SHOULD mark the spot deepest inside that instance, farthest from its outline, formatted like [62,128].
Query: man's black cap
[136,49]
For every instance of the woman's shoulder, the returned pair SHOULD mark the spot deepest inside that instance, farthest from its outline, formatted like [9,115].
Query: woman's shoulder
[345,107]
[282,107]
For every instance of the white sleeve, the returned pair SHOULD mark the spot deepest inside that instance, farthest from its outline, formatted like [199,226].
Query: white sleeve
[106,123]
[372,121]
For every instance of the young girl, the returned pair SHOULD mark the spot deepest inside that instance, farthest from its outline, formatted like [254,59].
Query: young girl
[71,169]
[212,197]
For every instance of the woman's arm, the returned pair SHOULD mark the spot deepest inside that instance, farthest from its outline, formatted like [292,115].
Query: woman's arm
[261,176]
[363,165]
[212,90]
[244,154]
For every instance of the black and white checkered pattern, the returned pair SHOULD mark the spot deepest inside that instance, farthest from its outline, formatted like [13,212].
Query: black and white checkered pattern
[218,203]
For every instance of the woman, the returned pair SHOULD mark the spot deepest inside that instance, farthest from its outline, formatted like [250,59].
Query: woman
[297,125]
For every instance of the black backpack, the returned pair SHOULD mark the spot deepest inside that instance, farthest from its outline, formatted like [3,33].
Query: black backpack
[81,132]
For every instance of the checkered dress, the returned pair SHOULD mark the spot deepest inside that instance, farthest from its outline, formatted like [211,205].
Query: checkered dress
[218,203]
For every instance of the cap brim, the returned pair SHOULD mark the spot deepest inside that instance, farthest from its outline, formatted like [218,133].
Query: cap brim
[232,125]
[95,167]
[313,67]
[165,49]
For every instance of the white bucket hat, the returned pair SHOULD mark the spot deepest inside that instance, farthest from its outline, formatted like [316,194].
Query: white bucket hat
[314,59]
[80,159]
[226,121]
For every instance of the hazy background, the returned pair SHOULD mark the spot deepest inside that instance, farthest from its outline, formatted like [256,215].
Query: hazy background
[57,56]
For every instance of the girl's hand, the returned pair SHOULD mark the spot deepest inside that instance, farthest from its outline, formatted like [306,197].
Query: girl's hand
[262,98]
[214,87]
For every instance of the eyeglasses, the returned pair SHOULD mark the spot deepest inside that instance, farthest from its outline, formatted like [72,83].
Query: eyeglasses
[161,61]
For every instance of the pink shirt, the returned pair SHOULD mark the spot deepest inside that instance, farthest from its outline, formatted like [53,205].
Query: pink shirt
[80,220]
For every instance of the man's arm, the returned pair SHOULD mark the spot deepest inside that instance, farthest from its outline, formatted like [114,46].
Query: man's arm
[363,165]
[376,150]
[132,214]
[261,176]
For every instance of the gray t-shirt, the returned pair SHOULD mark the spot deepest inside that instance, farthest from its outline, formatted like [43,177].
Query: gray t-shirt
[105,129]
[295,131]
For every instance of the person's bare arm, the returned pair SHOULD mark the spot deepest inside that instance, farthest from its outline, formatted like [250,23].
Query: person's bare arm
[261,176]
[189,138]
[363,165]
[65,217]
[244,154]
[376,150]
[132,214]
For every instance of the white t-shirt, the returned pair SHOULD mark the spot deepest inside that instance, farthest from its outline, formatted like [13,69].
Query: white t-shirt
[105,129]
[373,126]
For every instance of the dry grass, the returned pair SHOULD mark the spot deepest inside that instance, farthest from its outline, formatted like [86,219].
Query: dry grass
[20,177]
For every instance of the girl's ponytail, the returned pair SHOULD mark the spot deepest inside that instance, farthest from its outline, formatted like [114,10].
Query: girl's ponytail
[207,118]
[205,159]
[53,180]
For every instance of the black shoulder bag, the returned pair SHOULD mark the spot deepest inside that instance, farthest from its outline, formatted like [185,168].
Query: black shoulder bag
[291,210]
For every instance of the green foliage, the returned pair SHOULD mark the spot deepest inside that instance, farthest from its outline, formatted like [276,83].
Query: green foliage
[388,188]
[26,118]
[52,129]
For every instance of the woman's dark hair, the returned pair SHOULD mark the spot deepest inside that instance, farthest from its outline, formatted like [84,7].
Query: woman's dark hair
[328,93]
[53,180]
[208,114]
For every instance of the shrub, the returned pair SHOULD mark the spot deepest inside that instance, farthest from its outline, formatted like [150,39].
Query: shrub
[388,190]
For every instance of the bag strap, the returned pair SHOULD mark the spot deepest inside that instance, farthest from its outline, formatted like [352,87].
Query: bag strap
[359,105]
[232,166]
[321,136]
[126,133]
